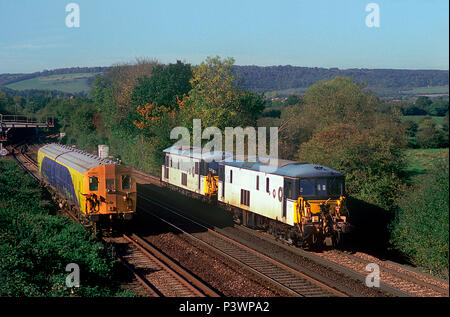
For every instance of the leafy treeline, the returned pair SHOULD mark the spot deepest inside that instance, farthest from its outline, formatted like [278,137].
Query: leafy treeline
[27,102]
[426,106]
[426,133]
[37,245]
[425,120]
[421,226]
[140,104]
[420,122]
[6,79]
[262,79]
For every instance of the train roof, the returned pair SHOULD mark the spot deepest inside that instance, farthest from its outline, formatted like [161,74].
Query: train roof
[198,153]
[286,168]
[74,158]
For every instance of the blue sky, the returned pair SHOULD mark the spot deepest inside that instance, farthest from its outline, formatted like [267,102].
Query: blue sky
[321,33]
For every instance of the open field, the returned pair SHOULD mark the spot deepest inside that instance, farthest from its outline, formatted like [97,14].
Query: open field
[420,160]
[433,90]
[417,119]
[285,92]
[71,83]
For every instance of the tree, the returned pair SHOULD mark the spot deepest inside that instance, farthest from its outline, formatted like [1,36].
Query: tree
[423,103]
[411,128]
[339,100]
[326,103]
[413,110]
[166,84]
[216,99]
[112,94]
[370,159]
[292,100]
[429,135]
[439,107]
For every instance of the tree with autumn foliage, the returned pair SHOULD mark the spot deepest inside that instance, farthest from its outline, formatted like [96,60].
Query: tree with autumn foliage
[112,92]
[217,99]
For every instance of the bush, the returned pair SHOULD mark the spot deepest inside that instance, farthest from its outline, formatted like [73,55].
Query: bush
[421,226]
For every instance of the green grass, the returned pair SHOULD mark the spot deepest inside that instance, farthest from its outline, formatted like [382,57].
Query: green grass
[419,161]
[285,92]
[71,83]
[427,90]
[417,119]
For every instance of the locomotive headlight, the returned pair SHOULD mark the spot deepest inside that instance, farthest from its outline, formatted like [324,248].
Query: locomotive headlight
[315,219]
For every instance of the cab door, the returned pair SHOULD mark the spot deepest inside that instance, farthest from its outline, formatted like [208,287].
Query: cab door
[288,190]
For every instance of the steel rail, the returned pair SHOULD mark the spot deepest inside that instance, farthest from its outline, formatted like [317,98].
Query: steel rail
[285,277]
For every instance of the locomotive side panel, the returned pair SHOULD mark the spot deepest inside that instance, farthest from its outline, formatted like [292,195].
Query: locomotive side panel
[183,172]
[255,191]
[64,179]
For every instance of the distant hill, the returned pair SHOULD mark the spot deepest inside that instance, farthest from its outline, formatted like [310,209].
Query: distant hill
[288,79]
[272,80]
[268,78]
[71,83]
[70,80]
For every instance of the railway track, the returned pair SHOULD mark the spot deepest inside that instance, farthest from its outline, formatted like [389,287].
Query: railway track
[407,281]
[155,271]
[395,279]
[161,276]
[25,162]
[289,280]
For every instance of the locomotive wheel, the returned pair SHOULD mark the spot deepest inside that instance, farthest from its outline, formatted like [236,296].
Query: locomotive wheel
[314,242]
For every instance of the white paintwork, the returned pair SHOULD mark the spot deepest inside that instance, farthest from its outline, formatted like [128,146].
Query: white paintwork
[103,151]
[267,204]
[181,164]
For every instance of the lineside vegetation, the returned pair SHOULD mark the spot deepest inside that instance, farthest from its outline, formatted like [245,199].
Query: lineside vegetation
[37,245]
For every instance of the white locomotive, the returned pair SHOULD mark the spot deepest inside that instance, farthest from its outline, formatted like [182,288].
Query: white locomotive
[301,202]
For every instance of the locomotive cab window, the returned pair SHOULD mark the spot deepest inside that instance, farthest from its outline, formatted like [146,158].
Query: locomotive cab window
[126,181]
[336,186]
[93,183]
[307,187]
[110,186]
[321,187]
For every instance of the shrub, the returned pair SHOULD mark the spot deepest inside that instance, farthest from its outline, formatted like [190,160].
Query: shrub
[421,226]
